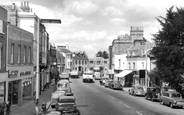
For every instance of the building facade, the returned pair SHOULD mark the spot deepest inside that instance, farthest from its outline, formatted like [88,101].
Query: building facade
[3,55]
[80,61]
[98,61]
[67,54]
[19,65]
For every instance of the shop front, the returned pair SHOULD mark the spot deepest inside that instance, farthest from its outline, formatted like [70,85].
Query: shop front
[20,84]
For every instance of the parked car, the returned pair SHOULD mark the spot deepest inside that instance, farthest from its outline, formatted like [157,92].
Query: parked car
[88,76]
[64,75]
[137,90]
[74,74]
[153,93]
[64,85]
[107,82]
[102,80]
[115,85]
[172,98]
[67,105]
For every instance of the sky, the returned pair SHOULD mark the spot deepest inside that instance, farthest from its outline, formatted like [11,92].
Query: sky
[92,25]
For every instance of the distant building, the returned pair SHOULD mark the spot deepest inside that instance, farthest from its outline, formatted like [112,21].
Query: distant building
[80,61]
[67,54]
[98,61]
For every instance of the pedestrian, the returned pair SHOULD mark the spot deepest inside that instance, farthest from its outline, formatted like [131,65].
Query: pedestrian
[8,108]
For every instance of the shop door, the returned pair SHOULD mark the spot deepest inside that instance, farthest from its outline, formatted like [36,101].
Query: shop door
[10,92]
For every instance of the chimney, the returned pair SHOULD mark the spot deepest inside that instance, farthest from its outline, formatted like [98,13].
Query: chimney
[13,6]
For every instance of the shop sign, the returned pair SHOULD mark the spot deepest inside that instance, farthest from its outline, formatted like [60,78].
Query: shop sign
[25,73]
[12,73]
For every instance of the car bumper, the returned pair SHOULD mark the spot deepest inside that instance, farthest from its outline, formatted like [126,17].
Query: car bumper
[179,105]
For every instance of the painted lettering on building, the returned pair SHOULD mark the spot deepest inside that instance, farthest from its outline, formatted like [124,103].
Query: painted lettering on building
[12,73]
[25,73]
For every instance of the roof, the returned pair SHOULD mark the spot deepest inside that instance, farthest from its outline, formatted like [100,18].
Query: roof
[66,97]
[64,50]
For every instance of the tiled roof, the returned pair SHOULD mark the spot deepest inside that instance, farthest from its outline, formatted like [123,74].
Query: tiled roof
[139,50]
[65,50]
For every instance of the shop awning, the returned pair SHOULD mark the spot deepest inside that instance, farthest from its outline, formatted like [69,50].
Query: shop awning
[123,73]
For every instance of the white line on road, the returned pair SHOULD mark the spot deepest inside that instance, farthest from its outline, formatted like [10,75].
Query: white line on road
[111,97]
[138,112]
[124,104]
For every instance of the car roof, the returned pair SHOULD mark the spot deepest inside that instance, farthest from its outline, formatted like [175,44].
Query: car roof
[66,97]
[63,81]
[153,88]
[172,92]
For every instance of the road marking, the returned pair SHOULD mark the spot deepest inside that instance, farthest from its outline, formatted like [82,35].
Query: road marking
[124,104]
[138,112]
[111,97]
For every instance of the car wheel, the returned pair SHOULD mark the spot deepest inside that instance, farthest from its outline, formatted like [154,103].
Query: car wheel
[152,99]
[161,102]
[146,97]
[171,105]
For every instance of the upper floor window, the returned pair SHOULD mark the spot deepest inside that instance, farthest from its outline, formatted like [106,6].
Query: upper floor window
[91,62]
[24,55]
[76,62]
[142,64]
[29,55]
[105,62]
[19,54]
[82,62]
[129,65]
[1,26]
[119,63]
[133,65]
[12,53]
[1,53]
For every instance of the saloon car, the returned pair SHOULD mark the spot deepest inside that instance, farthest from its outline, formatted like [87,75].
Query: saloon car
[172,98]
[74,74]
[64,85]
[88,77]
[115,85]
[67,105]
[136,90]
[64,75]
[153,93]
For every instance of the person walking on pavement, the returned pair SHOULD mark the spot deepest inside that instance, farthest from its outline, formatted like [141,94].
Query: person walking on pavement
[8,108]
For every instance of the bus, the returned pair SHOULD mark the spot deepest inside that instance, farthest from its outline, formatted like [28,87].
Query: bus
[96,71]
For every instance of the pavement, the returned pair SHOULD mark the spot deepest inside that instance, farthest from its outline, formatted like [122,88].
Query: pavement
[28,107]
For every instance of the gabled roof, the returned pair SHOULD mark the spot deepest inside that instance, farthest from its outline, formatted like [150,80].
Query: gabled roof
[64,50]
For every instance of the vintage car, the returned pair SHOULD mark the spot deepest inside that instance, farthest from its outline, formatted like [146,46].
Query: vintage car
[107,82]
[64,85]
[172,98]
[102,80]
[136,90]
[88,76]
[64,75]
[153,93]
[67,105]
[74,74]
[115,85]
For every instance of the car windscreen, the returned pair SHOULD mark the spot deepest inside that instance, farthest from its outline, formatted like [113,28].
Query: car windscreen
[66,100]
[176,95]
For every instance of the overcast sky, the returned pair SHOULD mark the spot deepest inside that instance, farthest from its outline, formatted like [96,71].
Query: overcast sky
[91,25]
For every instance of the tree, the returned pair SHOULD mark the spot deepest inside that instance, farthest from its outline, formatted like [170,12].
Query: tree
[169,47]
[102,54]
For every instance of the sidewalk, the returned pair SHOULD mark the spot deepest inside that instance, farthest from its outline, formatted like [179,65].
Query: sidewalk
[28,108]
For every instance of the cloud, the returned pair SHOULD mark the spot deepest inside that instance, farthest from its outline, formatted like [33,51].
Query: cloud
[112,11]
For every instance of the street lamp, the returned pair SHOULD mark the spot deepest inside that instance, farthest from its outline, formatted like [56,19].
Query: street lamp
[58,21]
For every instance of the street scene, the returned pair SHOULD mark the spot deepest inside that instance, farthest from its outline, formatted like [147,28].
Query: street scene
[91,57]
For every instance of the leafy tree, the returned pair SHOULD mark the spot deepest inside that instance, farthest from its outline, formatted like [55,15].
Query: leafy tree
[102,54]
[169,47]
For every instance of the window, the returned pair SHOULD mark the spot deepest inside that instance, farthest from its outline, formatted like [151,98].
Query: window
[133,65]
[105,62]
[82,62]
[29,55]
[129,65]
[119,63]
[142,64]
[24,55]
[91,62]
[1,51]
[1,26]
[18,54]
[79,62]
[12,53]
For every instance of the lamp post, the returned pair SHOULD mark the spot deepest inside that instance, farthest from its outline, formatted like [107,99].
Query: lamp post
[37,63]
[146,73]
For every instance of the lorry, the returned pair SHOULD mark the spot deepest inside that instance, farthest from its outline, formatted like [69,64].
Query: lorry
[96,72]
